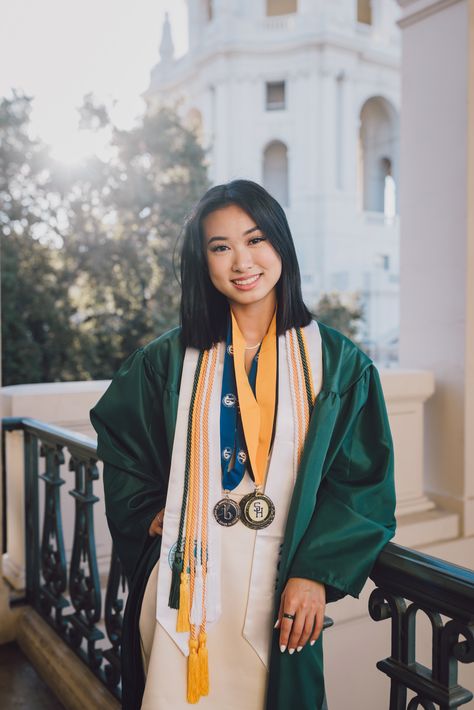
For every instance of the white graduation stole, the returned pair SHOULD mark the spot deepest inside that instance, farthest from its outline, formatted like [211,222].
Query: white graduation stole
[279,484]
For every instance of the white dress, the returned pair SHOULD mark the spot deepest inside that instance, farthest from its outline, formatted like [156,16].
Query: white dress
[237,676]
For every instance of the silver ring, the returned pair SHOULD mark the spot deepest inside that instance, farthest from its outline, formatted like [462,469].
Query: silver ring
[289,616]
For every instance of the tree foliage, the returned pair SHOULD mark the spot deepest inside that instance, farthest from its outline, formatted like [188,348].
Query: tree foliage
[346,318]
[36,312]
[87,253]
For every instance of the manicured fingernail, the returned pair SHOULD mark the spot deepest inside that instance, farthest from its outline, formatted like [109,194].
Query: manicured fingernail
[291,651]
[311,643]
[283,649]
[299,648]
[277,624]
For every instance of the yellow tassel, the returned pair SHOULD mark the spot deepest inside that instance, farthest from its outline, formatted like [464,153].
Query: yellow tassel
[196,607]
[193,672]
[203,664]
[182,623]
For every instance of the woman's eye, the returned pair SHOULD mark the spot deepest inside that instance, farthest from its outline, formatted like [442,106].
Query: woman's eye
[256,240]
[218,247]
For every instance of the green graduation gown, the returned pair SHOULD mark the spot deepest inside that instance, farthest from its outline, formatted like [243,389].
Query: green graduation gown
[341,513]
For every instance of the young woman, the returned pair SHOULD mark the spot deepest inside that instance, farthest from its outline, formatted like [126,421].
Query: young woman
[248,474]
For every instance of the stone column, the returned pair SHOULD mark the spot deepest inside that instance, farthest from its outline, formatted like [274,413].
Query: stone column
[14,558]
[437,237]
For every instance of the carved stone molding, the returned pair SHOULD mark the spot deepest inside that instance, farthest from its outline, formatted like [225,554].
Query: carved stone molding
[417,10]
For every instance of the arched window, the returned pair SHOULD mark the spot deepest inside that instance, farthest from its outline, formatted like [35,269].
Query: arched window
[389,196]
[378,156]
[281,7]
[275,171]
[364,11]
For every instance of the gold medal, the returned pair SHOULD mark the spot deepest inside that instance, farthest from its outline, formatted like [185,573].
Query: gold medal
[257,510]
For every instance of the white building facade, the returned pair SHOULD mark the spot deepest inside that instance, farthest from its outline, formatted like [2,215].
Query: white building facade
[303,96]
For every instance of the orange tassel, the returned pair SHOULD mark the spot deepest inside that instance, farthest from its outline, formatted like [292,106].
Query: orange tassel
[182,622]
[203,664]
[193,672]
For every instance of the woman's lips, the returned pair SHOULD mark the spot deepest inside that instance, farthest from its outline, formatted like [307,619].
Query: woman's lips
[247,283]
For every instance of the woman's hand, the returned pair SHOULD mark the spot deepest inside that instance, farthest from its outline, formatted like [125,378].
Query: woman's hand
[156,527]
[306,601]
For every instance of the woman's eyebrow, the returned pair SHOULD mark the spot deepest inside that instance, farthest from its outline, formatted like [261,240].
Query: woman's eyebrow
[215,239]
[247,231]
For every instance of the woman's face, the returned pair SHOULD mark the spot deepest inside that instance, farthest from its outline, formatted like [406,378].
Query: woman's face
[242,263]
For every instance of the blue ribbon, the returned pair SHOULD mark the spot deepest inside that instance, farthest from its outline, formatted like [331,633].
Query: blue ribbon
[233,446]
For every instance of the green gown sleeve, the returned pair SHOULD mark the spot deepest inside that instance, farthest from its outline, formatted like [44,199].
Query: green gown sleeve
[132,443]
[354,513]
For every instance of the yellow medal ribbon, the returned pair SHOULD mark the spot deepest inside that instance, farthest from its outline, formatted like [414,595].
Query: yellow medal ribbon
[257,411]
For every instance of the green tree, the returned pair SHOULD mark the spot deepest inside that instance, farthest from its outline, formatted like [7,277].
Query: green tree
[37,333]
[125,218]
[39,339]
[87,264]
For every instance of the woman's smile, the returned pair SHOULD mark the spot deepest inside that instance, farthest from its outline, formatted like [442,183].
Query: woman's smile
[247,283]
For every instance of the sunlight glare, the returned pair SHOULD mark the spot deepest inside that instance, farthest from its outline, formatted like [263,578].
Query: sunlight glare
[71,145]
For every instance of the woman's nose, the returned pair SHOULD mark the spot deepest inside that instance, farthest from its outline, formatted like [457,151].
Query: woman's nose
[242,261]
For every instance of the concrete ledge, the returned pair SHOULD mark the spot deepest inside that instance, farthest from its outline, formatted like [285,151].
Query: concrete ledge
[419,529]
[13,572]
[69,679]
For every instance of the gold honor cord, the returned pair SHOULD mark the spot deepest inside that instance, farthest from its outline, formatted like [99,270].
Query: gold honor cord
[258,412]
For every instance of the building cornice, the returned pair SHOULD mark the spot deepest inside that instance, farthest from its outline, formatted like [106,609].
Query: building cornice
[417,10]
[193,62]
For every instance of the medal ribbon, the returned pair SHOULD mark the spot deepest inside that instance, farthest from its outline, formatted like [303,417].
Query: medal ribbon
[232,435]
[257,410]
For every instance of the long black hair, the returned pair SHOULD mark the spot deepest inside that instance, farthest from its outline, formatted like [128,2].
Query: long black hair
[204,310]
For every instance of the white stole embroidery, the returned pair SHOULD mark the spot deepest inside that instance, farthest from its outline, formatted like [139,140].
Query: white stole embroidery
[281,476]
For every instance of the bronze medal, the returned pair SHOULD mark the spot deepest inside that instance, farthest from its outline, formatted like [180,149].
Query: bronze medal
[256,510]
[226,512]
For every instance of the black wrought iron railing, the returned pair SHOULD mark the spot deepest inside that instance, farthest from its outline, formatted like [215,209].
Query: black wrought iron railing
[409,582]
[69,595]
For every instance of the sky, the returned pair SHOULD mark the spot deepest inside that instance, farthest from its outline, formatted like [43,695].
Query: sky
[59,50]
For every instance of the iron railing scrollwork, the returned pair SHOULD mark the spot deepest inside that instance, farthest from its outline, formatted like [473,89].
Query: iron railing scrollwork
[69,599]
[84,583]
[53,554]
[114,606]
[434,588]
